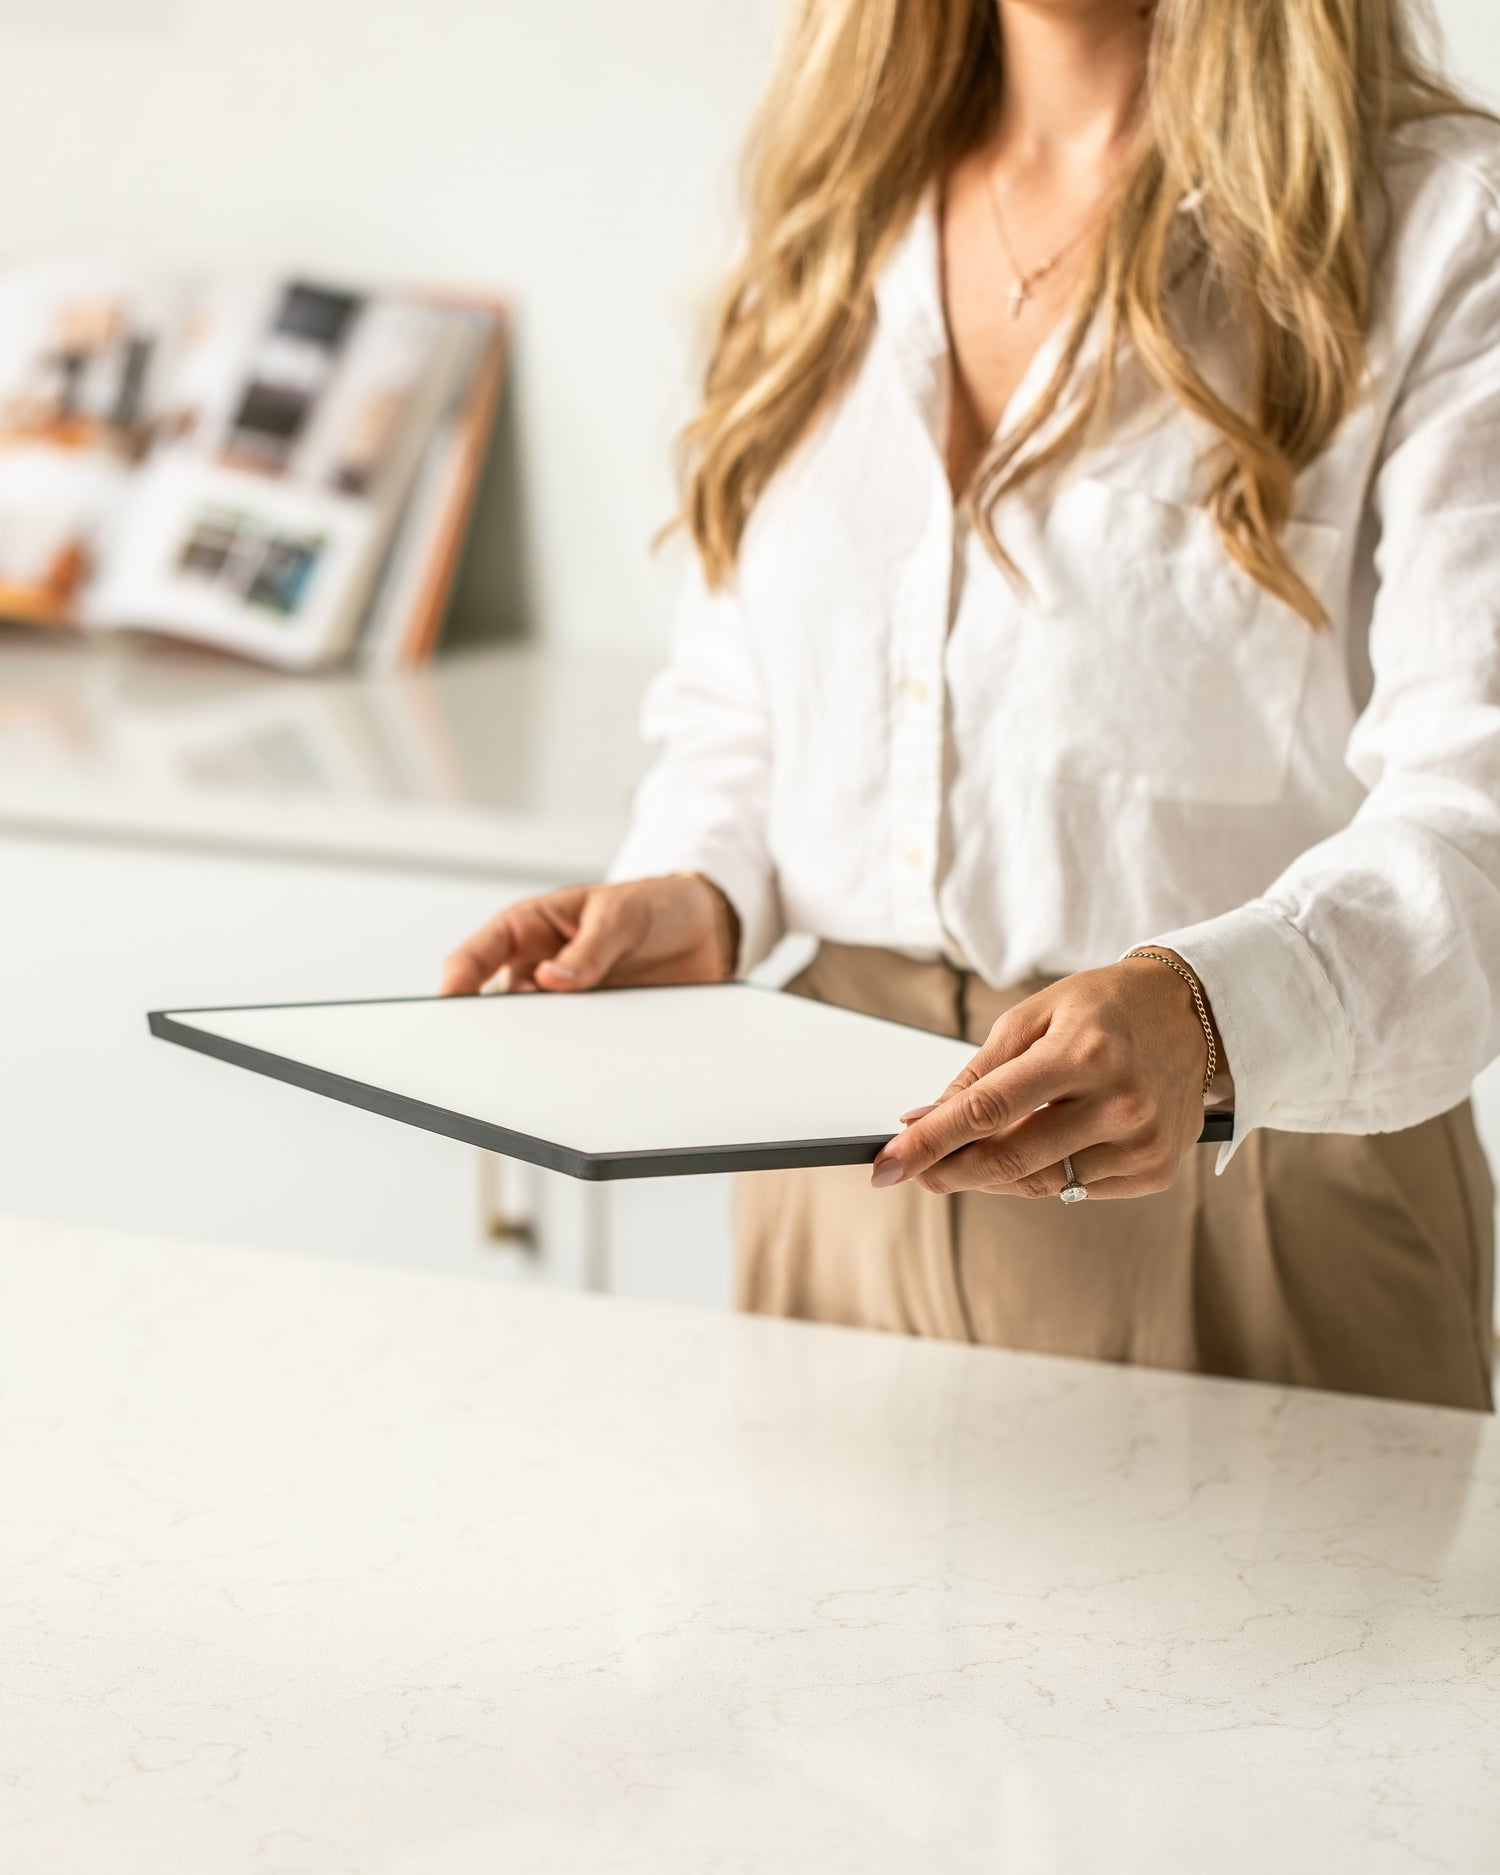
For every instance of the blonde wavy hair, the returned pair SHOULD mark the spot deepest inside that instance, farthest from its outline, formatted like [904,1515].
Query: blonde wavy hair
[1268,118]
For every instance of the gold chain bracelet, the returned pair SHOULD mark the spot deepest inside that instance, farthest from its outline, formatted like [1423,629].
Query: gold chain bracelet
[1160,957]
[726,917]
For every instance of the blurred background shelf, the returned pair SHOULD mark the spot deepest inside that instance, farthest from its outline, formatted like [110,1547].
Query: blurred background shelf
[513,761]
[177,828]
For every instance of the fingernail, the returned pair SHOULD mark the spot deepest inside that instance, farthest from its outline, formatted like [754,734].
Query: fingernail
[918,1113]
[565,971]
[888,1172]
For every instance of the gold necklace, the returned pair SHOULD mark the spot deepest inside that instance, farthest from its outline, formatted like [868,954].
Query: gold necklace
[1026,278]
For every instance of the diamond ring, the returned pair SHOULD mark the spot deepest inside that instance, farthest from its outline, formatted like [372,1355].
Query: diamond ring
[1072,1191]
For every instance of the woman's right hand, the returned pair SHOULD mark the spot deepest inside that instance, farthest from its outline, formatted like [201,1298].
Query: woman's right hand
[584,937]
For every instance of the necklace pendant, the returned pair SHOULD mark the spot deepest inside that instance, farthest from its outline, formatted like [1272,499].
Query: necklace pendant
[1017,297]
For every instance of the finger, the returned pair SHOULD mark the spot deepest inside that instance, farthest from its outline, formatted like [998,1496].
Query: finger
[477,959]
[606,931]
[1118,1170]
[1013,1034]
[988,1105]
[1033,1148]
[1102,1189]
[1016,1031]
[1030,1170]
[1124,1168]
[514,939]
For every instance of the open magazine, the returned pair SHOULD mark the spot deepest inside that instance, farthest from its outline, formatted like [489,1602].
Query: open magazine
[279,467]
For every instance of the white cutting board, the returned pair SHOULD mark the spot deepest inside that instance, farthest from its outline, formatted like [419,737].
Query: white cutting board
[606,1084]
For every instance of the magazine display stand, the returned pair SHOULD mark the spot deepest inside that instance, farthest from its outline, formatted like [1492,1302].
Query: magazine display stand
[281,468]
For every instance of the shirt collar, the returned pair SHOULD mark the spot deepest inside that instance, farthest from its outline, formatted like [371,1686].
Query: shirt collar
[909,304]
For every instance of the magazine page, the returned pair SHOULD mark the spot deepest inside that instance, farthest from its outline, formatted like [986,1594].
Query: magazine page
[84,346]
[292,419]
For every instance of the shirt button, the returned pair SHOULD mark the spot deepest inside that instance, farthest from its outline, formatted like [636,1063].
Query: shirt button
[914,857]
[916,690]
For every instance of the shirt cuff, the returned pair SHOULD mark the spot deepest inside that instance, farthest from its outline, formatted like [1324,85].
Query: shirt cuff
[1285,1036]
[742,881]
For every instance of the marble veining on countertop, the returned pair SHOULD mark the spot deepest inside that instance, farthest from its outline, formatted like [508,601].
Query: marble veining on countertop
[309,1568]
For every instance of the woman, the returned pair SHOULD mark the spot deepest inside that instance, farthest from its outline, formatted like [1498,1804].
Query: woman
[1095,640]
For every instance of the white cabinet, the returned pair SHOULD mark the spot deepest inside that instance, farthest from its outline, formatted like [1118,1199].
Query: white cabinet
[99,1123]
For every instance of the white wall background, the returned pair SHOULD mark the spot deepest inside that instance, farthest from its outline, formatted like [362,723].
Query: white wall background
[1471,31]
[580,153]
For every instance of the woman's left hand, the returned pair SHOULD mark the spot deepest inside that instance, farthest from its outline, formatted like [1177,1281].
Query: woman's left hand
[1105,1067]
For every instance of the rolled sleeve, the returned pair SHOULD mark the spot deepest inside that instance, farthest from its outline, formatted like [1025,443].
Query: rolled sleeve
[1285,1035]
[1360,992]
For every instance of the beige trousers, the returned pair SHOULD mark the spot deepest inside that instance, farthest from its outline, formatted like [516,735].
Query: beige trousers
[1358,1263]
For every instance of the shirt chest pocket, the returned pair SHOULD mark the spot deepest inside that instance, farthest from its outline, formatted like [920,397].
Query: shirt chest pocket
[1147,660]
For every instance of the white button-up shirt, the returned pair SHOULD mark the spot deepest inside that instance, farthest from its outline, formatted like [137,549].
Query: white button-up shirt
[877,737]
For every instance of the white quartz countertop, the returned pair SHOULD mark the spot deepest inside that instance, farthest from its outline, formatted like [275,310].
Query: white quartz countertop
[510,762]
[311,1568]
